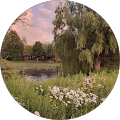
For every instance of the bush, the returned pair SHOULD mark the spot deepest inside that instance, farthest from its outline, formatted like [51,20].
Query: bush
[7,69]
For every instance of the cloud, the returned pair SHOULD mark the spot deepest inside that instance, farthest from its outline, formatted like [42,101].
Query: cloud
[40,17]
[45,13]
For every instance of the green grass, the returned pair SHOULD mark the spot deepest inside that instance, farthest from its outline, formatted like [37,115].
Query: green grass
[37,96]
[34,64]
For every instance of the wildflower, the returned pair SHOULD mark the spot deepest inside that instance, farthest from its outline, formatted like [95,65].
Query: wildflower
[23,104]
[70,96]
[51,96]
[16,98]
[37,88]
[67,94]
[94,97]
[86,100]
[75,108]
[56,97]
[99,85]
[19,103]
[60,97]
[61,93]
[65,90]
[49,88]
[63,102]
[91,94]
[78,90]
[40,86]
[94,81]
[89,100]
[83,95]
[94,101]
[103,99]
[72,91]
[77,95]
[68,102]
[77,105]
[81,92]
[80,98]
[37,113]
[41,90]
[55,90]
[91,85]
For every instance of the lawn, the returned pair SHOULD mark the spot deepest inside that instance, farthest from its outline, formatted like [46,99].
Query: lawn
[34,64]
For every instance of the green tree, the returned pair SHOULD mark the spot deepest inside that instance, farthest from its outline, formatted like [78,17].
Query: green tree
[12,46]
[37,50]
[27,48]
[49,51]
[92,38]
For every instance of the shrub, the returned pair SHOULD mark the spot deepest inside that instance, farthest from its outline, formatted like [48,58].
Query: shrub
[7,69]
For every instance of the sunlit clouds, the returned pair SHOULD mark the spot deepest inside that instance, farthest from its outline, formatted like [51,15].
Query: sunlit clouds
[40,18]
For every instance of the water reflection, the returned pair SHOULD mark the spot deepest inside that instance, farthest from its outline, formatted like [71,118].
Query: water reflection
[39,75]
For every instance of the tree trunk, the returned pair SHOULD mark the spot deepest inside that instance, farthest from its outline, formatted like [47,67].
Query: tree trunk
[97,65]
[37,59]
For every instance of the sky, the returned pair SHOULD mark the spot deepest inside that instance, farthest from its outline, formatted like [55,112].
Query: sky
[40,17]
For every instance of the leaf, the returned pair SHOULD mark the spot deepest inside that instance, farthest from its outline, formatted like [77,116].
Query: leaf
[97,48]
[86,55]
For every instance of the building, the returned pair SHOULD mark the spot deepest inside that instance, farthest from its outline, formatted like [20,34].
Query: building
[27,56]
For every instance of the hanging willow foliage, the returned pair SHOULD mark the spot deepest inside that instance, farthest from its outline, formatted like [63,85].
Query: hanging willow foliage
[82,38]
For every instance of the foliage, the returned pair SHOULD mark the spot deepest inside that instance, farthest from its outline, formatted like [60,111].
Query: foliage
[12,46]
[50,53]
[27,48]
[53,99]
[78,28]
[7,69]
[37,49]
[48,50]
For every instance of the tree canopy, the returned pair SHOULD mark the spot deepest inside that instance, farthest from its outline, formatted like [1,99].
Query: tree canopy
[12,45]
[37,49]
[82,38]
[49,51]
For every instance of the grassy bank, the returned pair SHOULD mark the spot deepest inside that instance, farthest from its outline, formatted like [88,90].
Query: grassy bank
[34,64]
[64,97]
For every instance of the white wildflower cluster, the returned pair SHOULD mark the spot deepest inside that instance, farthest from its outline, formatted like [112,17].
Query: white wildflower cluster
[88,83]
[70,96]
[102,78]
[102,99]
[42,90]
[100,86]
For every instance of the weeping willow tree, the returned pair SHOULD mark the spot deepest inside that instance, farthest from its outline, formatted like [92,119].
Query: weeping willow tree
[82,38]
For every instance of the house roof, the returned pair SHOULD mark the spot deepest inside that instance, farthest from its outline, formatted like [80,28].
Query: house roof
[26,54]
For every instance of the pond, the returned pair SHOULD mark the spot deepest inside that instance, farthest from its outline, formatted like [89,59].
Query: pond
[39,75]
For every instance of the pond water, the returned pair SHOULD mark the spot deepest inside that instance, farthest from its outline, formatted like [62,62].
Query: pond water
[39,75]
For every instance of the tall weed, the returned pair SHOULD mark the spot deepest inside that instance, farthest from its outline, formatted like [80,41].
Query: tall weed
[64,97]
